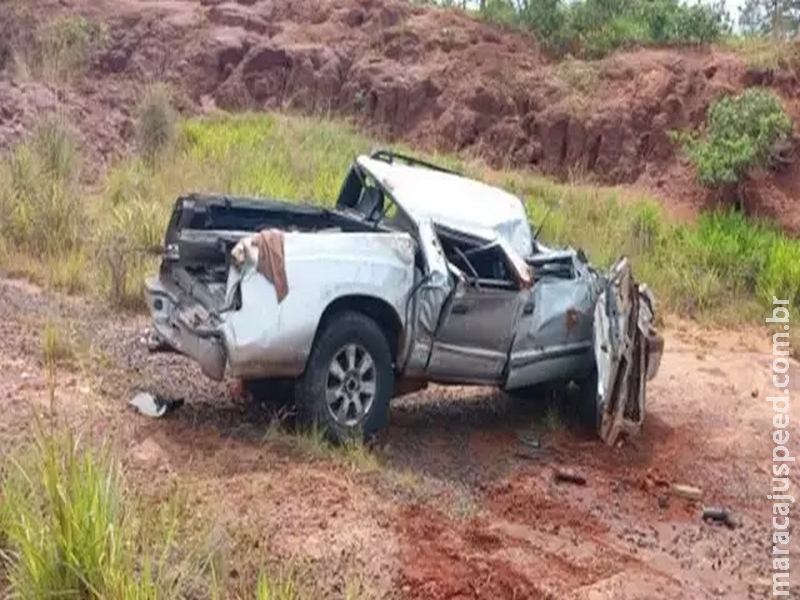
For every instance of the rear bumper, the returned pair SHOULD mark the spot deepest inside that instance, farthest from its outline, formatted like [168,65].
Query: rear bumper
[187,331]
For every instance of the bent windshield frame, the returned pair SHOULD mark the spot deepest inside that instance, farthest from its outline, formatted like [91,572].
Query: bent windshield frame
[367,197]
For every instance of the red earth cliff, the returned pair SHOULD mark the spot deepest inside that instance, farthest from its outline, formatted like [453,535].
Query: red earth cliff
[432,77]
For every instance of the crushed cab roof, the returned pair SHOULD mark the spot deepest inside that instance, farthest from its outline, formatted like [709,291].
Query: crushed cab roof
[454,201]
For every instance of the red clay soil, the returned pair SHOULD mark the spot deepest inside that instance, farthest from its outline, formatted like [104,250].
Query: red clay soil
[489,556]
[453,511]
[443,562]
[433,77]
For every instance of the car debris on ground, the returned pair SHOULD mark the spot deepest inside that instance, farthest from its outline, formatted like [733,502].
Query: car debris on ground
[418,275]
[720,515]
[154,406]
[564,475]
[530,440]
[686,491]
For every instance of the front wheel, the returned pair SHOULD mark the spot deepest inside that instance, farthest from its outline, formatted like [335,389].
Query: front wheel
[348,380]
[590,410]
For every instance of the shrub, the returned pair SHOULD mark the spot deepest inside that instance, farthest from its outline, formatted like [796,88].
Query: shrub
[58,155]
[65,523]
[280,588]
[127,246]
[781,273]
[42,211]
[594,28]
[57,51]
[740,132]
[156,124]
[66,44]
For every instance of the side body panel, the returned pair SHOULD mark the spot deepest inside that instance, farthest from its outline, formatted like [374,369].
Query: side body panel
[473,342]
[554,340]
[265,338]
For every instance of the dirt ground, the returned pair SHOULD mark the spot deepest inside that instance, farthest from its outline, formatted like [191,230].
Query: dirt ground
[433,77]
[451,510]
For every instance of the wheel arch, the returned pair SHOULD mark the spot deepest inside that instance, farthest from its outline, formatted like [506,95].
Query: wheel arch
[379,310]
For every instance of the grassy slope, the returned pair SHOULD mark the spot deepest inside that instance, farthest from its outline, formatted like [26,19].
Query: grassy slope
[721,269]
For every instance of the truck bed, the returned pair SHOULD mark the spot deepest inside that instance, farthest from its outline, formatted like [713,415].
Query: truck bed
[203,228]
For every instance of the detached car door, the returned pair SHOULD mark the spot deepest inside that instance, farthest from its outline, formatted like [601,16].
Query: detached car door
[627,350]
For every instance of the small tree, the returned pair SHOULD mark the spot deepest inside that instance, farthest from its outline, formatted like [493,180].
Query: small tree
[778,18]
[741,131]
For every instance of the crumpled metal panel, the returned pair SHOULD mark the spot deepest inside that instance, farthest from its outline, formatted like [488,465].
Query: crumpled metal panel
[461,203]
[437,287]
[624,338]
[555,338]
[267,338]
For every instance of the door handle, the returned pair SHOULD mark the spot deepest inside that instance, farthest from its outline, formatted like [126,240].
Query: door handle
[528,308]
[459,309]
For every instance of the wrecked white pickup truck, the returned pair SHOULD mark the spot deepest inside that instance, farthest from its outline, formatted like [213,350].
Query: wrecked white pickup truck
[418,275]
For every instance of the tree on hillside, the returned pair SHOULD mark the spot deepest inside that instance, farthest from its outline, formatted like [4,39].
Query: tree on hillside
[779,18]
[594,28]
[742,131]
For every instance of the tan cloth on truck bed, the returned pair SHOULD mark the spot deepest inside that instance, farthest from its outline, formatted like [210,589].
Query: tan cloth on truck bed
[271,262]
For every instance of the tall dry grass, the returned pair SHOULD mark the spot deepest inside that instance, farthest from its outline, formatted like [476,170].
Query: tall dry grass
[722,268]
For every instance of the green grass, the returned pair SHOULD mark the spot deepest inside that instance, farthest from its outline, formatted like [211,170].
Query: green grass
[763,53]
[721,269]
[284,587]
[63,345]
[552,419]
[71,528]
[352,454]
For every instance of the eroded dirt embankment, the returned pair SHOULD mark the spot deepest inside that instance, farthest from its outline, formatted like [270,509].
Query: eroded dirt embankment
[433,77]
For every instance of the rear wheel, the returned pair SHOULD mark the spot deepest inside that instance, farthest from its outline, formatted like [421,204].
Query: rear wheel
[348,381]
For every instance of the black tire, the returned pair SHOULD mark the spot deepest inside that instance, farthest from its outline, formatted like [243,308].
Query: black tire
[589,410]
[318,384]
[270,393]
[540,393]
